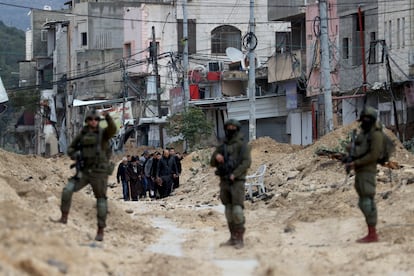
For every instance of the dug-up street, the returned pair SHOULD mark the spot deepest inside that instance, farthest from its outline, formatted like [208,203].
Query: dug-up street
[306,224]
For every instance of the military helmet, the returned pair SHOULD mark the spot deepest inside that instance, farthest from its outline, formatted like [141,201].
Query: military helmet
[232,122]
[93,113]
[368,111]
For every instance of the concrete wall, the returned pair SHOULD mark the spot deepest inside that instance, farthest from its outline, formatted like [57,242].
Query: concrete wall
[284,9]
[38,18]
[208,19]
[399,38]
[139,35]
[351,75]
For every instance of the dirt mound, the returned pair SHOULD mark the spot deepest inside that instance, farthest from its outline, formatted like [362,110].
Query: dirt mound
[309,212]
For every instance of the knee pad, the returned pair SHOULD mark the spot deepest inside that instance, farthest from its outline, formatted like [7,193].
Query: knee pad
[102,206]
[367,205]
[228,212]
[238,216]
[68,190]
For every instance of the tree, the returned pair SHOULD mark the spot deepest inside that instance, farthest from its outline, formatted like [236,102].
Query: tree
[192,125]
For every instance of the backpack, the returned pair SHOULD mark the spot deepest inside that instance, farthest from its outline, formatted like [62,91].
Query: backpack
[388,148]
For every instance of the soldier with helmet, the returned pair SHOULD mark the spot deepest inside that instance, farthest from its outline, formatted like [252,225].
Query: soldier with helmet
[91,147]
[368,146]
[232,159]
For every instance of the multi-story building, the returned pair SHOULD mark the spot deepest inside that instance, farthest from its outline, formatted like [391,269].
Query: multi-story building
[219,70]
[395,34]
[218,65]
[37,74]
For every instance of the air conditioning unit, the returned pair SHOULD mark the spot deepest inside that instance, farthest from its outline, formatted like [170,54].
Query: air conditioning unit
[215,66]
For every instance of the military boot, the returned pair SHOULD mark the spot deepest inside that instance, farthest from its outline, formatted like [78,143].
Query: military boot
[64,218]
[99,234]
[232,239]
[239,233]
[371,237]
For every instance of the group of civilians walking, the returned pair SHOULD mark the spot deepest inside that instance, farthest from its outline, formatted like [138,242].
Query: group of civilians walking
[154,175]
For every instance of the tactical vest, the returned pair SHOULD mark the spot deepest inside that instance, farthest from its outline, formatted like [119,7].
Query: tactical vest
[94,153]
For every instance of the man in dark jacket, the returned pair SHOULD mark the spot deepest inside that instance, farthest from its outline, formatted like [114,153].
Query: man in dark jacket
[154,169]
[177,159]
[147,174]
[232,160]
[134,178]
[121,177]
[92,146]
[368,146]
[166,171]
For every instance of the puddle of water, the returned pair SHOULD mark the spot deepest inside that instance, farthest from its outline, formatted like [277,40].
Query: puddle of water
[170,242]
[237,267]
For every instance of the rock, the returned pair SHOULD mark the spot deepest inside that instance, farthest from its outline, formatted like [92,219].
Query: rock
[61,266]
[292,175]
[289,228]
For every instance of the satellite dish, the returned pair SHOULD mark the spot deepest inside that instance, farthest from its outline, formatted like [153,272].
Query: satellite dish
[234,54]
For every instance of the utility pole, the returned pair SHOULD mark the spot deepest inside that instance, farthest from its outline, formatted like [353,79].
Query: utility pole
[125,90]
[185,54]
[154,55]
[325,67]
[252,74]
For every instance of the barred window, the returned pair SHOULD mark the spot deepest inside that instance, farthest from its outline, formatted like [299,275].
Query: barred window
[223,37]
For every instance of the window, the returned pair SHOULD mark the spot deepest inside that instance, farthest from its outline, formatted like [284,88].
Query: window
[43,35]
[127,50]
[356,40]
[398,33]
[223,37]
[192,36]
[358,28]
[403,32]
[283,42]
[389,34]
[345,48]
[372,49]
[84,39]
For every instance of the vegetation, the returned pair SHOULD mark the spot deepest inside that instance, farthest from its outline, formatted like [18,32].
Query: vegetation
[12,50]
[192,125]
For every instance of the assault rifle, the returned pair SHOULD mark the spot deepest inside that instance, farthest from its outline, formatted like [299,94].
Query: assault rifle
[78,165]
[226,169]
[331,154]
[351,154]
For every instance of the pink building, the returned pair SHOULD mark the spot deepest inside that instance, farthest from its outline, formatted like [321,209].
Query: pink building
[313,56]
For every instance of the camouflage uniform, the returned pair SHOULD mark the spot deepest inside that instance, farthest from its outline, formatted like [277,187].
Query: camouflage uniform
[368,146]
[95,168]
[232,193]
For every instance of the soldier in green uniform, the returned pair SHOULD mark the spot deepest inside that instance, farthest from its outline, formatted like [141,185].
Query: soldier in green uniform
[368,146]
[232,160]
[91,149]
